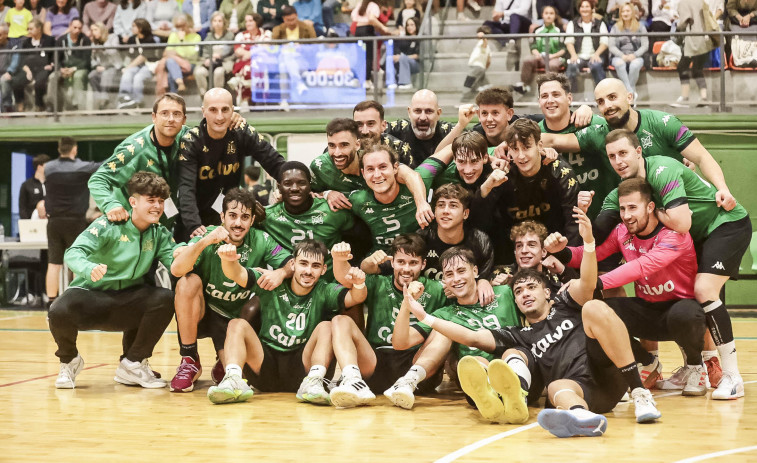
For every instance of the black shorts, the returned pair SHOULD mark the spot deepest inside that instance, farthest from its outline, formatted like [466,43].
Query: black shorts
[213,325]
[721,252]
[656,321]
[607,384]
[393,364]
[61,234]
[280,371]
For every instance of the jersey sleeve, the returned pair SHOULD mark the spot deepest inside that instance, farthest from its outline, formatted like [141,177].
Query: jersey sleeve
[187,173]
[333,297]
[608,247]
[666,250]
[504,338]
[592,138]
[677,135]
[106,183]
[252,278]
[262,151]
[316,181]
[568,188]
[165,246]
[274,254]
[486,251]
[667,182]
[443,313]
[95,237]
[428,170]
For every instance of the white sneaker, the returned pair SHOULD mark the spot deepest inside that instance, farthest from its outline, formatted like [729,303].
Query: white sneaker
[232,388]
[137,373]
[569,423]
[406,86]
[511,46]
[644,405]
[461,17]
[352,392]
[675,382]
[681,102]
[473,5]
[731,387]
[650,373]
[68,372]
[311,390]
[696,381]
[401,393]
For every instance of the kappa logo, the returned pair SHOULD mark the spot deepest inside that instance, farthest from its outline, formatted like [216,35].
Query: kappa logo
[369,211]
[432,253]
[659,170]
[631,247]
[718,265]
[281,218]
[665,119]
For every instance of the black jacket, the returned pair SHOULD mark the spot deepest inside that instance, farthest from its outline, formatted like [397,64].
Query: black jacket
[32,191]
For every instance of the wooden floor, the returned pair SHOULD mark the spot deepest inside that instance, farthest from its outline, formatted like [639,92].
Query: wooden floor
[104,421]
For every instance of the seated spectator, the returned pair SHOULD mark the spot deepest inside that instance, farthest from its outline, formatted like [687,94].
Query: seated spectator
[613,10]
[33,67]
[17,19]
[717,9]
[177,62]
[6,94]
[292,28]
[564,9]
[218,57]
[200,11]
[406,54]
[59,16]
[71,76]
[547,51]
[242,54]
[742,13]
[272,12]
[98,11]
[311,13]
[126,12]
[409,10]
[106,65]
[628,50]
[510,17]
[38,10]
[235,11]
[600,9]
[664,14]
[586,51]
[160,14]
[143,61]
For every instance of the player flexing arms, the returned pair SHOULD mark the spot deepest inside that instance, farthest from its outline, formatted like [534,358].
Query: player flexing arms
[109,292]
[571,349]
[206,300]
[294,337]
[721,235]
[370,355]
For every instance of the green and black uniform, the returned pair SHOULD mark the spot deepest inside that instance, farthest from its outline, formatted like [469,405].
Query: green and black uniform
[721,236]
[500,313]
[420,149]
[121,300]
[325,176]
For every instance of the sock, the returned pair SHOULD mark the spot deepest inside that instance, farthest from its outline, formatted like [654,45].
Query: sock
[708,354]
[520,368]
[640,354]
[319,371]
[630,373]
[416,374]
[233,369]
[719,324]
[189,350]
[578,407]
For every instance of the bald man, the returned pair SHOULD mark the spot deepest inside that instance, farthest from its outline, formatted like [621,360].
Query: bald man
[210,163]
[423,131]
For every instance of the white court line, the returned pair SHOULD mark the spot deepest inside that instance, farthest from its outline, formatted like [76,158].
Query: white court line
[477,445]
[16,317]
[718,454]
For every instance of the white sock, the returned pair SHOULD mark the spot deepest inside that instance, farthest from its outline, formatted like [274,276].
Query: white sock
[416,374]
[708,354]
[520,368]
[728,357]
[319,371]
[351,371]
[233,369]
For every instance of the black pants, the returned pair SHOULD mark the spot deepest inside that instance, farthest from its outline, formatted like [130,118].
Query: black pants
[141,312]
[681,321]
[19,82]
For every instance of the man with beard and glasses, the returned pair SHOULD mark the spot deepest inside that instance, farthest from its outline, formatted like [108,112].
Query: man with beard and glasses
[688,203]
[660,134]
[369,115]
[206,300]
[369,361]
[337,173]
[423,131]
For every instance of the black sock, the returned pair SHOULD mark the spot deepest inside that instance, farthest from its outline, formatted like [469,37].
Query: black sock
[640,354]
[630,373]
[718,322]
[577,406]
[189,350]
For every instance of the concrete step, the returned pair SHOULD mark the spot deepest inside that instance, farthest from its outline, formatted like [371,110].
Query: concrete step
[459,61]
[453,80]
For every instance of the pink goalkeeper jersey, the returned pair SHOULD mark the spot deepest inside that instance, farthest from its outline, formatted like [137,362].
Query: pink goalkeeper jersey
[663,265]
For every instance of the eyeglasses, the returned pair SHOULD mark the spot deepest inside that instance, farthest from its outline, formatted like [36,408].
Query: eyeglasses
[171,115]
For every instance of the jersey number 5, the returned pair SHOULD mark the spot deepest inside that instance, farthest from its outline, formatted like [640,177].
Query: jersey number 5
[392,223]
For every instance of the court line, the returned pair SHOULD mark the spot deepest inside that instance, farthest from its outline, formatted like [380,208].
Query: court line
[718,454]
[476,445]
[17,317]
[47,376]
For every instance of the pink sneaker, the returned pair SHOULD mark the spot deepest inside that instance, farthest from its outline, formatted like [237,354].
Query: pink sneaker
[218,372]
[186,375]
[714,371]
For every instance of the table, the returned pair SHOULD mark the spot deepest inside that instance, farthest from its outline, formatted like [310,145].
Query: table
[32,246]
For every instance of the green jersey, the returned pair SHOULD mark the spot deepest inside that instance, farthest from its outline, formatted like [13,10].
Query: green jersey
[287,320]
[126,251]
[674,184]
[136,153]
[222,295]
[593,169]
[384,301]
[325,176]
[317,223]
[501,312]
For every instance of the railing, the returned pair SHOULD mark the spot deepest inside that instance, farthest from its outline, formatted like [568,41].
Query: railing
[428,42]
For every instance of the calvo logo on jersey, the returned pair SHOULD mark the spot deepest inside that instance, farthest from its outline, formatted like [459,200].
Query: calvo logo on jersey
[667,287]
[230,296]
[542,345]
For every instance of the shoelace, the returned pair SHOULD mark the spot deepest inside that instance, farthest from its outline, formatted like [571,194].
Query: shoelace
[186,370]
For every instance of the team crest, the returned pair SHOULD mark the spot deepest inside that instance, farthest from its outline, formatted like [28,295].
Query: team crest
[646,142]
[148,245]
[231,148]
[317,219]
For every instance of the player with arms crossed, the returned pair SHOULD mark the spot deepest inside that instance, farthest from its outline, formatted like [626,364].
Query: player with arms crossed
[206,300]
[583,355]
[295,338]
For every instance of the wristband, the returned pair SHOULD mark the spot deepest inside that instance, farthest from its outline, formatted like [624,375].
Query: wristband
[429,320]
[326,194]
[359,286]
[590,247]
